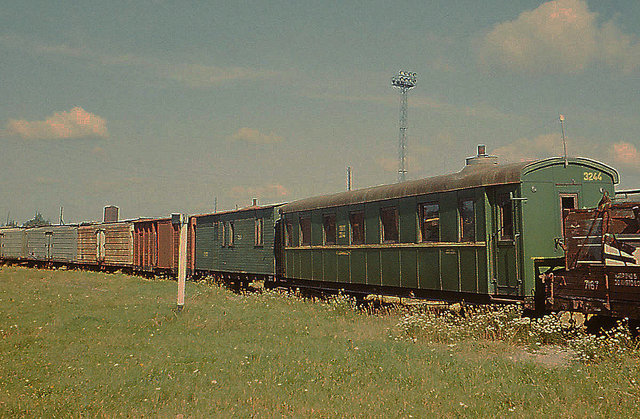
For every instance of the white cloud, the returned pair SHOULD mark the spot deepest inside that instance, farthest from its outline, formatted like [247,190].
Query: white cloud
[193,75]
[265,192]
[561,36]
[251,135]
[76,123]
[626,154]
[620,154]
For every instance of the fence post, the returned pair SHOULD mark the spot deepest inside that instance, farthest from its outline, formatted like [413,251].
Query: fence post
[182,257]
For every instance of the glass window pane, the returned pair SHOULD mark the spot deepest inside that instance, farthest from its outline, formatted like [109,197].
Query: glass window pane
[506,218]
[467,220]
[356,220]
[329,226]
[259,239]
[223,233]
[231,234]
[389,220]
[305,231]
[288,232]
[430,222]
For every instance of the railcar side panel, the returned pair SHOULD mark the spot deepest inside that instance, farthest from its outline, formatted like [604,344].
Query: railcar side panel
[13,243]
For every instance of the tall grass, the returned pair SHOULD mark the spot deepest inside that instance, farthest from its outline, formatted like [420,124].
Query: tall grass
[89,344]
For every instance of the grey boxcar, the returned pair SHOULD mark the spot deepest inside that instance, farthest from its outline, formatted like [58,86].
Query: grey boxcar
[57,243]
[12,243]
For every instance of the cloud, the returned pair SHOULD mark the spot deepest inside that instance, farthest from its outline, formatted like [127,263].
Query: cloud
[76,123]
[387,164]
[626,154]
[192,75]
[561,36]
[254,136]
[524,149]
[621,154]
[270,191]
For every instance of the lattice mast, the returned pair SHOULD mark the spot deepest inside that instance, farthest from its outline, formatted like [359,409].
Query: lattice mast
[404,81]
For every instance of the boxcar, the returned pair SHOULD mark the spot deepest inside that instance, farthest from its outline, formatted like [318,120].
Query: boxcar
[156,245]
[12,243]
[236,244]
[106,244]
[470,235]
[57,243]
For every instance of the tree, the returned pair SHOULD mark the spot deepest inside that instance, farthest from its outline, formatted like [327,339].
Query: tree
[37,221]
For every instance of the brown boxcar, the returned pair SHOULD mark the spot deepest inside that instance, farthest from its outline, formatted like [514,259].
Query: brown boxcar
[156,245]
[106,244]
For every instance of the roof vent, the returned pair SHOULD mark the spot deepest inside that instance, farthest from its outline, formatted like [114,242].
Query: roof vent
[110,214]
[482,157]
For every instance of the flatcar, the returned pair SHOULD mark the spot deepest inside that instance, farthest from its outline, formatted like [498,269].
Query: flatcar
[471,235]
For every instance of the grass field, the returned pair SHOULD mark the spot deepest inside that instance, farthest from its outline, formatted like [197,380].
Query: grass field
[89,344]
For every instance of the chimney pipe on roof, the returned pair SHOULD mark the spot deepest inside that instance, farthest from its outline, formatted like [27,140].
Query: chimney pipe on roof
[110,214]
[482,157]
[254,202]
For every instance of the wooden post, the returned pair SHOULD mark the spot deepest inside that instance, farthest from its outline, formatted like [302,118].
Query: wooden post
[182,260]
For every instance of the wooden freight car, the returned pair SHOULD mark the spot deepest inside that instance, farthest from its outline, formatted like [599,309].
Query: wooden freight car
[470,235]
[601,267]
[12,244]
[56,243]
[156,245]
[108,245]
[236,245]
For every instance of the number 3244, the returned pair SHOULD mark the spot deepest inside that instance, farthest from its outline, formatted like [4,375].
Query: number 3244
[592,176]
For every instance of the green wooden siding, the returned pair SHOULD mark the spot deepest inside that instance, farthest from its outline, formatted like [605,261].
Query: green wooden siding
[244,256]
[489,265]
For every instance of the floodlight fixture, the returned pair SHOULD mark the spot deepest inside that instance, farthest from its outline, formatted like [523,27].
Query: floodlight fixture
[404,80]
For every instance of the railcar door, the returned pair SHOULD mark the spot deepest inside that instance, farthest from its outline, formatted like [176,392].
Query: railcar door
[568,201]
[505,237]
[48,244]
[100,245]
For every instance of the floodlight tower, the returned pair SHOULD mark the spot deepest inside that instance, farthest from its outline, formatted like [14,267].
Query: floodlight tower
[404,81]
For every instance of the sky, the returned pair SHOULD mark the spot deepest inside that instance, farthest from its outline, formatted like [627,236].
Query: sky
[161,107]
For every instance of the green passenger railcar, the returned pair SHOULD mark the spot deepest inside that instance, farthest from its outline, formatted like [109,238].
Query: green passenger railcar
[470,235]
[236,244]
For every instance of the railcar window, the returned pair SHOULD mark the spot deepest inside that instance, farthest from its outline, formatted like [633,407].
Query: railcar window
[288,232]
[506,218]
[356,220]
[329,227]
[305,231]
[466,209]
[429,222]
[223,232]
[258,231]
[231,233]
[389,221]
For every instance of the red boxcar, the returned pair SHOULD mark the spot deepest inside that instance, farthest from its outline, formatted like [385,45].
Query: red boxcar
[156,245]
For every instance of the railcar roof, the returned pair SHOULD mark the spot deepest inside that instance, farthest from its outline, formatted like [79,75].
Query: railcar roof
[239,210]
[471,176]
